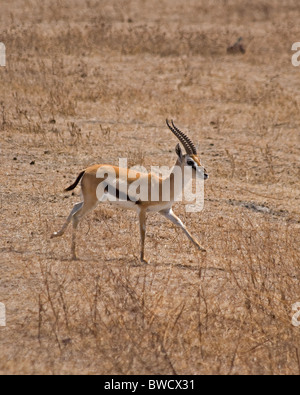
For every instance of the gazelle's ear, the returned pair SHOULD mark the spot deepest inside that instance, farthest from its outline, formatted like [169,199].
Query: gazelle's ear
[178,151]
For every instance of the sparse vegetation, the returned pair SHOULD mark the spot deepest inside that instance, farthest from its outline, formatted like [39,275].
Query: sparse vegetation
[89,81]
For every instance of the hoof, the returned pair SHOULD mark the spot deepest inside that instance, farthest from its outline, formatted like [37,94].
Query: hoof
[56,234]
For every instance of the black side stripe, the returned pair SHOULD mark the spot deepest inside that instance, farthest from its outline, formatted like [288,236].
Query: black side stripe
[121,195]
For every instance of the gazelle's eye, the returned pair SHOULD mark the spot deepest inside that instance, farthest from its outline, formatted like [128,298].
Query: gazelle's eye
[190,163]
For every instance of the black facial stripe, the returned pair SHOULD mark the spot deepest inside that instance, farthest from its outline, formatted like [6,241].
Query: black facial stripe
[191,164]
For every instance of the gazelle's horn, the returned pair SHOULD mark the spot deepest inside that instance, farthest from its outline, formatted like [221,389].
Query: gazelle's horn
[183,138]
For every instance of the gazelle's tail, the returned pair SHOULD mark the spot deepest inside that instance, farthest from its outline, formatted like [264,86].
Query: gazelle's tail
[73,186]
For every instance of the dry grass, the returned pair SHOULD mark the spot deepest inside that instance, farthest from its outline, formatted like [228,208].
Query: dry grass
[89,81]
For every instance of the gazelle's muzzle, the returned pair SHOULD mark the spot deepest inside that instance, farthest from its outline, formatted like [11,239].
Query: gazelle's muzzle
[206,176]
[202,173]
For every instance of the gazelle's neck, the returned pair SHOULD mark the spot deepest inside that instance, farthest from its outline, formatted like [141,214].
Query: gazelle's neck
[176,182]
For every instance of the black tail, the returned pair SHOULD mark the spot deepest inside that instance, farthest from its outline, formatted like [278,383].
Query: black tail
[73,186]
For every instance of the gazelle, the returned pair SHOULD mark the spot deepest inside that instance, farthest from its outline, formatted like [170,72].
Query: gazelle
[93,176]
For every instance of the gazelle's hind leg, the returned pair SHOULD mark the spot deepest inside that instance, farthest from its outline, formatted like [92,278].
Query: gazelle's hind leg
[75,209]
[79,214]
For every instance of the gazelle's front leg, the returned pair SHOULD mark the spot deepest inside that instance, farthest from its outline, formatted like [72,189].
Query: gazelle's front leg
[142,220]
[173,218]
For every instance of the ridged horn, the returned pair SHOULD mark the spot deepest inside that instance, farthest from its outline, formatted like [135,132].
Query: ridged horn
[183,138]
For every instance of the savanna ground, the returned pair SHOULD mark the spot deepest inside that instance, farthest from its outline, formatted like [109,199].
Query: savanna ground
[91,81]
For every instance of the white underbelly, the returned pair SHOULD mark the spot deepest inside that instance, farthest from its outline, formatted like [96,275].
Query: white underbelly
[159,207]
[128,205]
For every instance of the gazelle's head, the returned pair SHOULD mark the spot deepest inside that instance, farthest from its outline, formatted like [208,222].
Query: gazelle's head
[191,157]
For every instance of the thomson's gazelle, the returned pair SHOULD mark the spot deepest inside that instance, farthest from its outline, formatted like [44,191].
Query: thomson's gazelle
[95,176]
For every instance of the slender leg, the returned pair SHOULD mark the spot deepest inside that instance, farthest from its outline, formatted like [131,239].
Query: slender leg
[75,209]
[73,245]
[173,218]
[79,214]
[142,219]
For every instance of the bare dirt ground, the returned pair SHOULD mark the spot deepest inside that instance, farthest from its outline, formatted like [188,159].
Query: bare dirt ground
[92,81]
